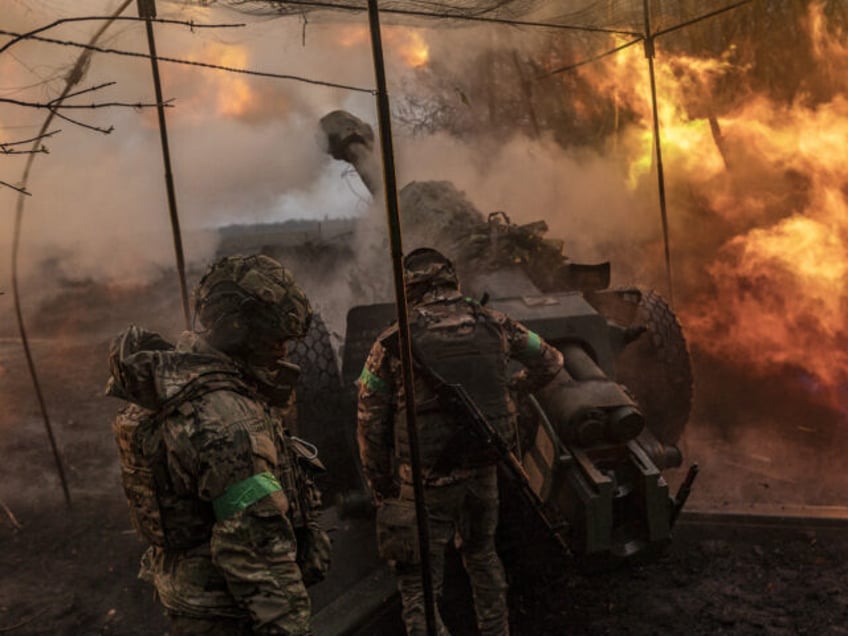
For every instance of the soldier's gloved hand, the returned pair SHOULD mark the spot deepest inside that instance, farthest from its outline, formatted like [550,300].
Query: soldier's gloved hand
[384,488]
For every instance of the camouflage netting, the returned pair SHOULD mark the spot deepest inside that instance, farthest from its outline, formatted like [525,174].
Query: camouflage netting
[618,16]
[588,30]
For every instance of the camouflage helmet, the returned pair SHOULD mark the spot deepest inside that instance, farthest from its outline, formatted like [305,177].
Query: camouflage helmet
[426,268]
[259,289]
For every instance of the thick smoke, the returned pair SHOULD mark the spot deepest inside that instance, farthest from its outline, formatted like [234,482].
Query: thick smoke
[243,149]
[247,149]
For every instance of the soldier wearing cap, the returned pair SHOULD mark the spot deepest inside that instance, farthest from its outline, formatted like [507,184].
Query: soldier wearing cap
[468,344]
[216,484]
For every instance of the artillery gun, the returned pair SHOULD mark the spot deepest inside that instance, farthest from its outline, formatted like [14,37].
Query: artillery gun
[597,438]
[595,441]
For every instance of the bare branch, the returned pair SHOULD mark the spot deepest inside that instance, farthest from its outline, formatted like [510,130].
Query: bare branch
[40,149]
[90,89]
[58,103]
[52,105]
[105,131]
[15,188]
[190,24]
[229,69]
[8,147]
[6,144]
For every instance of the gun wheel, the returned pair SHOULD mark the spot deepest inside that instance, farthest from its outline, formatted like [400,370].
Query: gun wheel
[656,368]
[317,360]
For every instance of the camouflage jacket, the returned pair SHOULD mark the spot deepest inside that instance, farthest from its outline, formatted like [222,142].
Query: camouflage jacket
[381,393]
[224,448]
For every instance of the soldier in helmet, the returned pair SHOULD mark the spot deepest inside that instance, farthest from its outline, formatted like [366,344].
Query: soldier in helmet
[216,484]
[465,343]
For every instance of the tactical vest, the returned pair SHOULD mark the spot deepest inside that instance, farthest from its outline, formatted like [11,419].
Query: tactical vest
[474,358]
[160,515]
[170,519]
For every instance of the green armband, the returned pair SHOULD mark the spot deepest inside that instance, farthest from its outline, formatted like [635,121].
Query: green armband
[534,343]
[372,382]
[245,493]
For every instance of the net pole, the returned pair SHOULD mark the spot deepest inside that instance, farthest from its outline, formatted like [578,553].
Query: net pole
[396,246]
[147,10]
[649,54]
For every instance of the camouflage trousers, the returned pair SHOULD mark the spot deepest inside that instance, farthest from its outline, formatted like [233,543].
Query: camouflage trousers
[469,509]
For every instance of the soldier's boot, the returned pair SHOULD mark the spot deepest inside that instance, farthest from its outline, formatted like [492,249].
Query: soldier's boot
[412,596]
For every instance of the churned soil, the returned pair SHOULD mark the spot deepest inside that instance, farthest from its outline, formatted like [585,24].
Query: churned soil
[71,569]
[73,572]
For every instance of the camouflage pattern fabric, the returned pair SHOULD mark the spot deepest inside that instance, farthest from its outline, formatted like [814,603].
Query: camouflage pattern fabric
[426,268]
[381,394]
[468,510]
[260,277]
[466,499]
[247,572]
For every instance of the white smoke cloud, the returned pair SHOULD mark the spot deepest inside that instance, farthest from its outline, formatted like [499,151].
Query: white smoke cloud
[99,203]
[99,200]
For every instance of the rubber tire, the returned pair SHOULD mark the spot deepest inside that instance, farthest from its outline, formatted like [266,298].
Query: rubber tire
[319,369]
[324,415]
[657,368]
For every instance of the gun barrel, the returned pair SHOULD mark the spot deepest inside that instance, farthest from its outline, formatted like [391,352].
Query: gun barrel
[579,364]
[585,405]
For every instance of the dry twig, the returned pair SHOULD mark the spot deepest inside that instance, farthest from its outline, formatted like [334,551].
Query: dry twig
[16,188]
[23,622]
[10,514]
[6,147]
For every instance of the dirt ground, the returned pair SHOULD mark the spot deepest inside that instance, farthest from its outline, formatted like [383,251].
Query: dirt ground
[71,570]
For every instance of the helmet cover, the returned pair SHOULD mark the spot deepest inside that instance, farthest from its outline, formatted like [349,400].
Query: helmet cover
[429,268]
[259,282]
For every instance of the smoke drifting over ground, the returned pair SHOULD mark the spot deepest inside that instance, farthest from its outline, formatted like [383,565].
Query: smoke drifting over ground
[756,195]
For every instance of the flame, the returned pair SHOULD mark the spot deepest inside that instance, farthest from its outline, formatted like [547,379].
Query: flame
[827,46]
[767,184]
[780,302]
[685,144]
[404,42]
[685,133]
[415,51]
[234,96]
[220,94]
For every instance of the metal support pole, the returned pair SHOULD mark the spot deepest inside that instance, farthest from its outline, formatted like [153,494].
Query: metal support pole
[42,405]
[649,53]
[147,10]
[390,191]
[73,77]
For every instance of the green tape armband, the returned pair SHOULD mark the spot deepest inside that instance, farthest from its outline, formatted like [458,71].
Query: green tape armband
[245,493]
[534,344]
[372,382]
